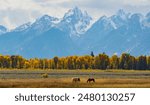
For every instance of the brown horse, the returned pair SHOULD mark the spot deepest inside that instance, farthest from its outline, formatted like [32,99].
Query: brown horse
[90,80]
[76,79]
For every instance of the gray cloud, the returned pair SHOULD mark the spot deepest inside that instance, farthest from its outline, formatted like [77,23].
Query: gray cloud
[17,12]
[12,18]
[98,8]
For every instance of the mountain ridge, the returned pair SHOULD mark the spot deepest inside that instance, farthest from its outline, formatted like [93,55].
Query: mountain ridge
[74,35]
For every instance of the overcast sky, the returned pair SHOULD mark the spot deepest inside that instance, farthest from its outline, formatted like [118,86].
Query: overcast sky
[16,12]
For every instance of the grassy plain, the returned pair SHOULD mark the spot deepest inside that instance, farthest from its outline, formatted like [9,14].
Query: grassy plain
[63,79]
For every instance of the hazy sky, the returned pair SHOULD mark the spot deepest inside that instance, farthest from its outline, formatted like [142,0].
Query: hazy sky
[16,12]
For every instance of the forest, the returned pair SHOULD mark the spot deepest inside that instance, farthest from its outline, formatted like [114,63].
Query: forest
[100,61]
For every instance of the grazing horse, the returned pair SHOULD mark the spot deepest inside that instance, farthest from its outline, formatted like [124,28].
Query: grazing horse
[90,80]
[76,79]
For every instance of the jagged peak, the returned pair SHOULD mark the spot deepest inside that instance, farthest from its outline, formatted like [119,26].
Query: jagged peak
[76,9]
[2,28]
[121,12]
[103,18]
[23,27]
[136,17]
[47,18]
[76,12]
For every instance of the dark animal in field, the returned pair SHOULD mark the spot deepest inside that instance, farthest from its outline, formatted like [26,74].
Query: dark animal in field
[76,79]
[90,80]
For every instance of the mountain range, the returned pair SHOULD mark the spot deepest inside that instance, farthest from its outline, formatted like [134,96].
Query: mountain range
[76,34]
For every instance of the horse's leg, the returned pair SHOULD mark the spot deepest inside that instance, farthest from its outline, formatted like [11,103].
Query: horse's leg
[94,81]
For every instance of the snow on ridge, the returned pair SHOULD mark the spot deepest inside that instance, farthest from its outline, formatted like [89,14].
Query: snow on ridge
[23,27]
[78,22]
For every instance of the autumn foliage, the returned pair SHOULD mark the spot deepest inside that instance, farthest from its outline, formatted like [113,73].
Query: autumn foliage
[101,61]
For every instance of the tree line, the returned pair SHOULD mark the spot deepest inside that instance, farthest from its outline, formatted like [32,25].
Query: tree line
[101,61]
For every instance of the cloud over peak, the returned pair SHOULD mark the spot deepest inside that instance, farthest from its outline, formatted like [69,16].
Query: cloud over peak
[17,12]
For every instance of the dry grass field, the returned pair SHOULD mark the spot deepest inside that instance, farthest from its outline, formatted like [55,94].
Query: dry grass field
[63,79]
[67,83]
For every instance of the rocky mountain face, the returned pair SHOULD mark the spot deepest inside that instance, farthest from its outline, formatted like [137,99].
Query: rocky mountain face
[74,35]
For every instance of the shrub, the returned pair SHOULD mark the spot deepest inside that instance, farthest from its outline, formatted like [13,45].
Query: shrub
[44,75]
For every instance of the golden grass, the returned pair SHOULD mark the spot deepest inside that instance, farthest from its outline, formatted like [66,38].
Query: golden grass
[77,70]
[67,83]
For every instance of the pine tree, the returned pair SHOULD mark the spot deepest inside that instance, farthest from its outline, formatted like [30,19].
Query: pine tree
[56,62]
[92,53]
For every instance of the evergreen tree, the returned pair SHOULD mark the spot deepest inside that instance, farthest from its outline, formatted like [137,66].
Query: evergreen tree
[92,54]
[56,62]
[142,63]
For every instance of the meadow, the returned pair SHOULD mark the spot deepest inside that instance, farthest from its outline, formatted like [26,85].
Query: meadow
[63,79]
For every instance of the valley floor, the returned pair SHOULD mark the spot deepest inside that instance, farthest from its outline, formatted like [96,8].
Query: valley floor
[63,79]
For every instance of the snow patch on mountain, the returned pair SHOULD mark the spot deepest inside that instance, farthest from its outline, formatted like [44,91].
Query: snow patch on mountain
[44,23]
[2,29]
[23,27]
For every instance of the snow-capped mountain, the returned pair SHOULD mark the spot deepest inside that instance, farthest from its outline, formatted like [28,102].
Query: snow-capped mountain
[2,29]
[123,32]
[75,22]
[41,24]
[73,34]
[44,23]
[120,19]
